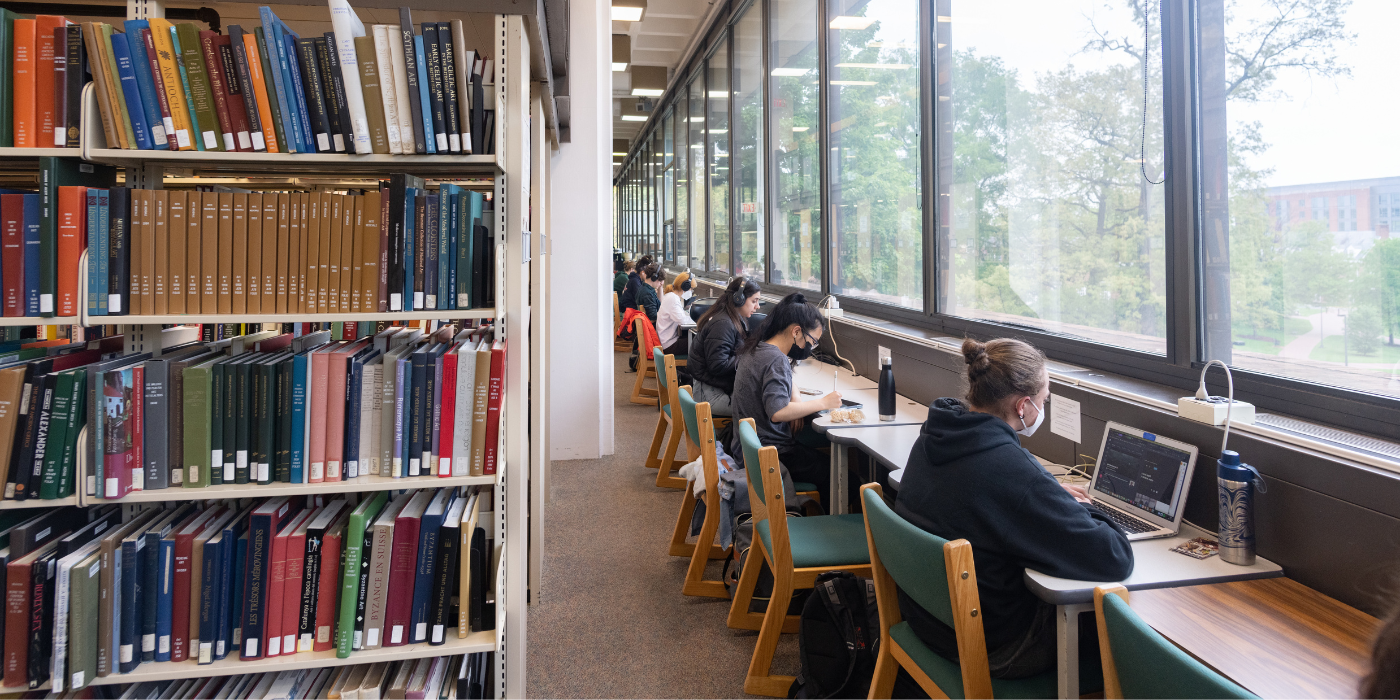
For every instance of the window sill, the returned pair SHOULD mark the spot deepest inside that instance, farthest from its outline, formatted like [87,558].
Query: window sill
[1142,393]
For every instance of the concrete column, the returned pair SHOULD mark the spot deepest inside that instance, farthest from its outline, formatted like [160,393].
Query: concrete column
[581,362]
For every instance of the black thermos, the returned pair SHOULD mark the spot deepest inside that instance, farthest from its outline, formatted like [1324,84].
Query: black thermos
[886,389]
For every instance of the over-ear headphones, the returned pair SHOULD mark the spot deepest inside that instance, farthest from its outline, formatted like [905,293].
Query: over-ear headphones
[685,286]
[738,297]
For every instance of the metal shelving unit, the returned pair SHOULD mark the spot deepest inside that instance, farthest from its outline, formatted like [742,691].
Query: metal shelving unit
[512,175]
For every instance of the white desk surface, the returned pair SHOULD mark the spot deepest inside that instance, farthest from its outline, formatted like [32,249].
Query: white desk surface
[1156,566]
[818,376]
[890,446]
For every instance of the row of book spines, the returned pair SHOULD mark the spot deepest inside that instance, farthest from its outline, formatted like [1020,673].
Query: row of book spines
[185,583]
[207,91]
[42,94]
[173,252]
[276,417]
[433,678]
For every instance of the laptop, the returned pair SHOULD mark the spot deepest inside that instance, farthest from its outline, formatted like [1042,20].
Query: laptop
[1141,481]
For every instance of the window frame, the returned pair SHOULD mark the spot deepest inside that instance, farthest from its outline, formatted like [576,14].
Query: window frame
[1186,333]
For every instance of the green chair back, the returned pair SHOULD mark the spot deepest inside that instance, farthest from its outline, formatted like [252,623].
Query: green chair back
[1149,666]
[748,439]
[913,557]
[692,425]
[658,358]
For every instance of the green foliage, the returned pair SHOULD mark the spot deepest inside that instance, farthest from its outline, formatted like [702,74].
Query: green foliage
[1363,330]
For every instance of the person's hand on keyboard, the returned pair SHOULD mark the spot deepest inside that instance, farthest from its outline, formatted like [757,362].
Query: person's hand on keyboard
[1079,492]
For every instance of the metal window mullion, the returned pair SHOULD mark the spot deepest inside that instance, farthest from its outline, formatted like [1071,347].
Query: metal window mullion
[1181,212]
[824,149]
[928,156]
[766,174]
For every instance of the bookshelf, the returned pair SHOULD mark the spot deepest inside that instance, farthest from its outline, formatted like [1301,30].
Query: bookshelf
[517,173]
[361,484]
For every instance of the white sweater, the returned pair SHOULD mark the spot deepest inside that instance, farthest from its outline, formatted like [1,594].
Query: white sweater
[669,319]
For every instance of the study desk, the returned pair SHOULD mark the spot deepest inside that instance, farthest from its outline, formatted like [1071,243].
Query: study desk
[816,376]
[1275,637]
[1155,566]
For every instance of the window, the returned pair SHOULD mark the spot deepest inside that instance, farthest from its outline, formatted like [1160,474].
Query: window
[749,146]
[1320,209]
[1317,301]
[796,149]
[1280,214]
[668,187]
[1049,217]
[698,206]
[874,173]
[678,133]
[717,92]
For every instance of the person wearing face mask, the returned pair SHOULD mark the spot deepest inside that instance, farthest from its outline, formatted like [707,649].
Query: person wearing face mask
[672,314]
[968,477]
[763,389]
[719,336]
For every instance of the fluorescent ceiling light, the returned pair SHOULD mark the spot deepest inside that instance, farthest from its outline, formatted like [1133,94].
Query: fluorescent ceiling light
[621,52]
[635,117]
[800,128]
[719,94]
[845,82]
[643,92]
[628,10]
[885,66]
[620,155]
[945,18]
[790,72]
[845,22]
[719,131]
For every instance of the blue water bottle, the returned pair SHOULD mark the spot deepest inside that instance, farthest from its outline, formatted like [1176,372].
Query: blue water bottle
[1237,482]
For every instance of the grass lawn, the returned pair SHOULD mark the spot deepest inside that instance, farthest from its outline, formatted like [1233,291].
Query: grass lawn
[1266,340]
[1330,350]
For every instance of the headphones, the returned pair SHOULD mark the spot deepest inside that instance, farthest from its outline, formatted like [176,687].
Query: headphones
[685,286]
[738,297]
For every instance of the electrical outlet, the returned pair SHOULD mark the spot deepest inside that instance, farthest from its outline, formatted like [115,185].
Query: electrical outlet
[884,352]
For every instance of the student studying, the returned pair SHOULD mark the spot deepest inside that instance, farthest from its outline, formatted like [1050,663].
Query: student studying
[968,477]
[719,335]
[763,390]
[672,314]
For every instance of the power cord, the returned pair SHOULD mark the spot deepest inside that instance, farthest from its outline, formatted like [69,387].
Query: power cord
[826,303]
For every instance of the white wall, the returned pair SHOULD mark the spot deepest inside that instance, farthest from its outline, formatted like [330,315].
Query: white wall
[581,362]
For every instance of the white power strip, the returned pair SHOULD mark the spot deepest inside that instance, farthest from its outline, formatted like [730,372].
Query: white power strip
[833,313]
[1212,412]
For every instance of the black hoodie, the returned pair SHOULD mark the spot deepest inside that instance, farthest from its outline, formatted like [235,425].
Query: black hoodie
[969,478]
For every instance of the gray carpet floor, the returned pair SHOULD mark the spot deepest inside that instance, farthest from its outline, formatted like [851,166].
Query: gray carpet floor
[611,621]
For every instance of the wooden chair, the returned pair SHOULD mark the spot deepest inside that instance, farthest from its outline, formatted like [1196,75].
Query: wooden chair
[700,429]
[642,394]
[1140,663]
[618,345]
[939,575]
[797,550]
[666,419]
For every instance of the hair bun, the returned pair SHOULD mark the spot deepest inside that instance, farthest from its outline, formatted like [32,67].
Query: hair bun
[798,298]
[975,355]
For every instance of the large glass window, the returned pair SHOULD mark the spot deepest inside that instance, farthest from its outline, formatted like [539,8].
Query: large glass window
[668,187]
[873,60]
[749,147]
[796,150]
[1051,218]
[682,177]
[717,90]
[1316,298]
[698,207]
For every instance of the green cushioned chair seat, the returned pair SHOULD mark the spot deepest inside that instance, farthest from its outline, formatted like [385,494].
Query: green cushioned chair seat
[682,357]
[824,540]
[800,486]
[948,675]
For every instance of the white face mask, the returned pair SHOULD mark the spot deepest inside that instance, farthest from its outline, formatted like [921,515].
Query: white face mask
[686,294]
[1029,430]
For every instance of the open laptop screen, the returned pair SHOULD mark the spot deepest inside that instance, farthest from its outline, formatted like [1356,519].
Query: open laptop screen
[1142,472]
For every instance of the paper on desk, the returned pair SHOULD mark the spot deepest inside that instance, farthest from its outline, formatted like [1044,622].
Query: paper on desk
[1064,417]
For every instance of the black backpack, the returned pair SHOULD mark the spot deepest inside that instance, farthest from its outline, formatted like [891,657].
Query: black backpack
[837,638]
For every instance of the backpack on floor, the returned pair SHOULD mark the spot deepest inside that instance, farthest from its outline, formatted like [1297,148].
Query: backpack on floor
[837,638]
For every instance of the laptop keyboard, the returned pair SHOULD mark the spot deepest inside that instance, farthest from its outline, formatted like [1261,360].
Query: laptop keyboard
[1130,524]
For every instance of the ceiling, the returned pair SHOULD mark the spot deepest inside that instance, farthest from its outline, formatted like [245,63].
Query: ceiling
[658,40]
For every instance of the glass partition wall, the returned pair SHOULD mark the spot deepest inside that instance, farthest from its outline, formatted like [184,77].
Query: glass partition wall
[1101,178]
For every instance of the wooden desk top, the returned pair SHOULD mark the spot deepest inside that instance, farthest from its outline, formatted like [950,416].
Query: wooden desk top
[1276,637]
